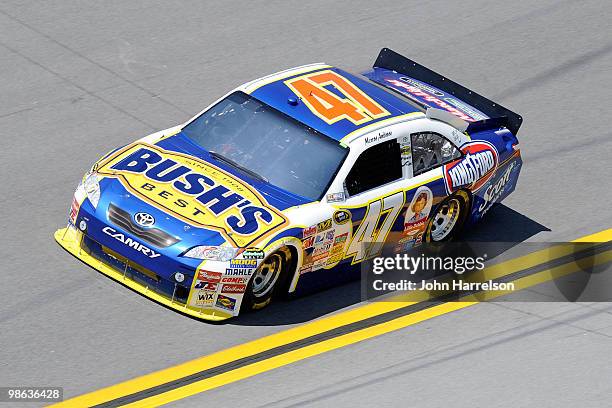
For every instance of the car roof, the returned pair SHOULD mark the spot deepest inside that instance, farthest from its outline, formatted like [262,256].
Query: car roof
[274,91]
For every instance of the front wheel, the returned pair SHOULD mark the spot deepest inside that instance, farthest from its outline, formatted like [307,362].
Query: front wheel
[267,280]
[448,219]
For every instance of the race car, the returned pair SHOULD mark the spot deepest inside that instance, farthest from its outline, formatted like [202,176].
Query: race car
[287,183]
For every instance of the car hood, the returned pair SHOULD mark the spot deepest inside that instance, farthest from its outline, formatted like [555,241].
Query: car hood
[191,195]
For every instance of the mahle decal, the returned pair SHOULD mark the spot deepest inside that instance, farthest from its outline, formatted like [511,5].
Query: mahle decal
[194,191]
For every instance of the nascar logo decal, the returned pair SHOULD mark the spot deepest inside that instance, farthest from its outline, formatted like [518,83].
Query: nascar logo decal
[474,169]
[195,191]
[356,106]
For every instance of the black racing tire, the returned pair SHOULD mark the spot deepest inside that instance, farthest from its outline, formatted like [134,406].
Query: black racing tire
[268,281]
[448,220]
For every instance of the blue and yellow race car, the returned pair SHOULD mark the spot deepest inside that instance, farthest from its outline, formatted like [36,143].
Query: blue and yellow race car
[288,182]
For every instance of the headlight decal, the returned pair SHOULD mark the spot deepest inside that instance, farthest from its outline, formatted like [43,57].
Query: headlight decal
[91,185]
[210,252]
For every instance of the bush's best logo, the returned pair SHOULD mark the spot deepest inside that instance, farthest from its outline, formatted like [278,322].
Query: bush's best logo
[194,191]
[474,169]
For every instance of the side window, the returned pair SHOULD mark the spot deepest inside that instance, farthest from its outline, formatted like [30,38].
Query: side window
[378,165]
[431,150]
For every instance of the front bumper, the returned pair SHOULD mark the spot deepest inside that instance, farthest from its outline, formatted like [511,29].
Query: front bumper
[71,240]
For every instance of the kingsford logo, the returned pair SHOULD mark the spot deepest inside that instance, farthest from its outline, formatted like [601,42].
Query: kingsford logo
[474,169]
[195,191]
[130,242]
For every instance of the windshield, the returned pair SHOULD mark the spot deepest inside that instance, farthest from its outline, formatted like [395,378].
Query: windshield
[245,133]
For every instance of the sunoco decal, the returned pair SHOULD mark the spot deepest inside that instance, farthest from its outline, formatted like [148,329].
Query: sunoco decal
[195,191]
[226,302]
[474,169]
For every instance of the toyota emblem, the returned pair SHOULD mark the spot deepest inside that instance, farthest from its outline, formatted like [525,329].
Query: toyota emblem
[144,219]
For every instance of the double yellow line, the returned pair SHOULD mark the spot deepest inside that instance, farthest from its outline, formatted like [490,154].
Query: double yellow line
[317,337]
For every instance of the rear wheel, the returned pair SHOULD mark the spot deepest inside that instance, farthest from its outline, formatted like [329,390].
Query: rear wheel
[448,218]
[267,280]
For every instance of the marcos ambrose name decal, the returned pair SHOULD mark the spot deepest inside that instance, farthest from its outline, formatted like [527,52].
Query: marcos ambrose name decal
[195,191]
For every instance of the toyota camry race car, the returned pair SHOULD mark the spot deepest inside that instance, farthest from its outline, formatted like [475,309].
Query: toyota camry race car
[288,182]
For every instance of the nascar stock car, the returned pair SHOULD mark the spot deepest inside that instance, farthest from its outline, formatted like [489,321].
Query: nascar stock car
[288,182]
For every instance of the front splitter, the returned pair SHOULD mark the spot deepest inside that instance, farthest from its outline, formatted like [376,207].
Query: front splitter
[70,239]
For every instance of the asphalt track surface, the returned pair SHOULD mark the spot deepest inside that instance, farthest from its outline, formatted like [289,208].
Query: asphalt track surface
[79,78]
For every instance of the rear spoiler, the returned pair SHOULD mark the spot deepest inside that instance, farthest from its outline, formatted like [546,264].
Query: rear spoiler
[498,115]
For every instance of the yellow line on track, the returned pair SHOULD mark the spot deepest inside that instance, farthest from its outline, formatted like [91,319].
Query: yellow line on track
[319,326]
[355,337]
[296,355]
